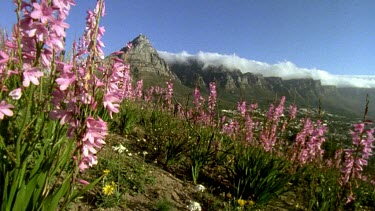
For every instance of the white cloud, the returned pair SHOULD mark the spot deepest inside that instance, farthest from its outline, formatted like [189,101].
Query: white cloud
[286,69]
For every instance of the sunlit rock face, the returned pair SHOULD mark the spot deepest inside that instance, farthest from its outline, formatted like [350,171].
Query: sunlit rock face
[142,57]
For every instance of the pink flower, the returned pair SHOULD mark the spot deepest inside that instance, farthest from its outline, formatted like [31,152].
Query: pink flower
[350,198]
[55,42]
[231,129]
[96,131]
[359,127]
[309,141]
[84,182]
[43,12]
[94,138]
[138,90]
[64,7]
[65,82]
[241,107]
[31,74]
[357,157]
[169,93]
[212,99]
[37,30]
[4,58]
[110,103]
[16,94]
[280,108]
[91,34]
[249,128]
[5,109]
[63,115]
[198,99]
[87,162]
[59,27]
[292,111]
[253,106]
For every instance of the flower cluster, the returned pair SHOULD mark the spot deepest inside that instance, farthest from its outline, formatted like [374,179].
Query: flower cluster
[119,149]
[309,141]
[357,157]
[199,114]
[39,34]
[96,130]
[212,100]
[199,188]
[231,128]
[292,111]
[194,206]
[241,108]
[83,85]
[268,134]
[169,94]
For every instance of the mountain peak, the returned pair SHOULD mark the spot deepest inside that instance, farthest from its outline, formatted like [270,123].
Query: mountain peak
[143,58]
[141,38]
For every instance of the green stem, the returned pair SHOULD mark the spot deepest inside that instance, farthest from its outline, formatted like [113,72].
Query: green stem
[23,129]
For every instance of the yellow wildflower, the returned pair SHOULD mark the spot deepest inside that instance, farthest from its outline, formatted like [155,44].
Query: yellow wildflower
[109,189]
[106,171]
[241,202]
[251,203]
[229,195]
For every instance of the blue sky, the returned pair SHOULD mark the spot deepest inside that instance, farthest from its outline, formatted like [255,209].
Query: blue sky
[335,36]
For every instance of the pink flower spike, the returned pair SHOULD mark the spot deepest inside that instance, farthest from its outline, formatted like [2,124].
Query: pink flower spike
[359,127]
[16,94]
[5,109]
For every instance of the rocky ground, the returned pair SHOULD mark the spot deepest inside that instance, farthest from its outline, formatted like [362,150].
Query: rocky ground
[167,192]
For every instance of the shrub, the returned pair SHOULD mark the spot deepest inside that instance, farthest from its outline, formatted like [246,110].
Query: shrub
[258,175]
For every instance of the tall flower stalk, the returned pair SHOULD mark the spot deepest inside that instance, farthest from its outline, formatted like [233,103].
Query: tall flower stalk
[268,136]
[50,105]
[357,157]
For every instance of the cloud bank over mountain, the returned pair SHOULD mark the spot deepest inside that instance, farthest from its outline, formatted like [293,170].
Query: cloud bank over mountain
[286,70]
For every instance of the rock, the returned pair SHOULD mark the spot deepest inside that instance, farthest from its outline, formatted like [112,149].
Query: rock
[142,57]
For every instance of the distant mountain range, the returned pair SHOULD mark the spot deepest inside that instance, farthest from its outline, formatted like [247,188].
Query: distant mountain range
[234,85]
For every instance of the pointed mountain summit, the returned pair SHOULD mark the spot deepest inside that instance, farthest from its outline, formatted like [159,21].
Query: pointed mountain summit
[144,59]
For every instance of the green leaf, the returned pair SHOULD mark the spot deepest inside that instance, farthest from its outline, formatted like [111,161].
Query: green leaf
[86,188]
[5,192]
[53,199]
[26,192]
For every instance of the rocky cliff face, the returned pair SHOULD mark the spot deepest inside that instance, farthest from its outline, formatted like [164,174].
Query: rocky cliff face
[235,85]
[254,87]
[143,58]
[192,72]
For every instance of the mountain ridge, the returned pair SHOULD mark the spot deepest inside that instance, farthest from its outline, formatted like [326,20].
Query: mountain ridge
[233,84]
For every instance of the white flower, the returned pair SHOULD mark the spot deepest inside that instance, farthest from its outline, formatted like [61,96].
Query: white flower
[194,206]
[144,153]
[16,94]
[119,148]
[199,188]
